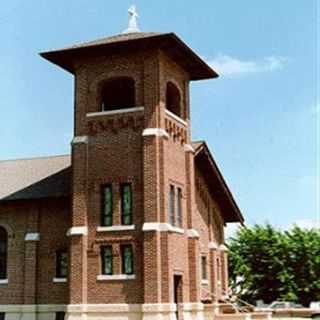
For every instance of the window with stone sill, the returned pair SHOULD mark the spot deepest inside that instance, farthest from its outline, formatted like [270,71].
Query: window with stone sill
[204,273]
[179,208]
[3,253]
[107,260]
[106,206]
[127,259]
[173,100]
[171,205]
[126,204]
[62,264]
[175,213]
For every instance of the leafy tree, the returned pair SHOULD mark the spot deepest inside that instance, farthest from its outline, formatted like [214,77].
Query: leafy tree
[267,264]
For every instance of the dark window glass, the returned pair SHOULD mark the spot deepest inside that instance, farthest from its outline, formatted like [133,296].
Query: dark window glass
[107,206]
[3,253]
[118,93]
[126,204]
[127,259]
[171,205]
[204,268]
[62,264]
[60,315]
[179,208]
[173,100]
[106,258]
[2,316]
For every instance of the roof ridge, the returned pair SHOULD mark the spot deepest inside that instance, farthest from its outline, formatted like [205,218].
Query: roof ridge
[36,158]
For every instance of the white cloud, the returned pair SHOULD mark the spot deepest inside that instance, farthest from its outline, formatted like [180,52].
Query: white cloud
[231,66]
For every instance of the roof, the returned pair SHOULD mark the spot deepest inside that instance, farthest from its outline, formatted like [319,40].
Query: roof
[205,162]
[169,42]
[35,178]
[50,177]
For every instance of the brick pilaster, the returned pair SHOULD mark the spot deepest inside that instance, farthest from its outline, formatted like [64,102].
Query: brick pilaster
[30,258]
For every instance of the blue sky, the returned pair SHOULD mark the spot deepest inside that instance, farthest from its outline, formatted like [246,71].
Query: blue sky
[260,118]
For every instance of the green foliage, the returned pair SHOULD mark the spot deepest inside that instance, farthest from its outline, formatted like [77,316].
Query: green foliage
[267,264]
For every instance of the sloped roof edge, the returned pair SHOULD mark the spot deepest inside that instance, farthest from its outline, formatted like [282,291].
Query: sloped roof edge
[217,183]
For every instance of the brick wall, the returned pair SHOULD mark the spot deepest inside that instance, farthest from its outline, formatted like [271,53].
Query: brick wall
[31,265]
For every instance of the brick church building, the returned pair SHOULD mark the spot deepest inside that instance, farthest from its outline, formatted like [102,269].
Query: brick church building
[131,225]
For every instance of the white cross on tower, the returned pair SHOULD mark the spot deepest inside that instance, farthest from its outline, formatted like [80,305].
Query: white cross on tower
[133,25]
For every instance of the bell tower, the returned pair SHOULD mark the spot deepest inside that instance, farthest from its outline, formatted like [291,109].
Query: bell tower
[133,175]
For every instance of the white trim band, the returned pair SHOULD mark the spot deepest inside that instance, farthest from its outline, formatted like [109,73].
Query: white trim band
[77,231]
[188,148]
[161,227]
[79,139]
[59,280]
[159,307]
[192,306]
[4,281]
[116,228]
[175,117]
[192,233]
[103,308]
[30,308]
[103,277]
[204,281]
[213,245]
[155,132]
[32,236]
[222,247]
[112,112]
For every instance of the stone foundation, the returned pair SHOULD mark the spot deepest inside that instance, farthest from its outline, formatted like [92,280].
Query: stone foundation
[31,312]
[158,311]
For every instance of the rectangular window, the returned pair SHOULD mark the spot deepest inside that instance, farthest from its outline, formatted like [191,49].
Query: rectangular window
[171,205]
[107,206]
[204,273]
[60,315]
[2,316]
[126,204]
[62,264]
[179,208]
[127,259]
[107,258]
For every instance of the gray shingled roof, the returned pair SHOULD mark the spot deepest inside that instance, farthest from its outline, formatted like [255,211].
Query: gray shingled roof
[114,39]
[168,42]
[35,178]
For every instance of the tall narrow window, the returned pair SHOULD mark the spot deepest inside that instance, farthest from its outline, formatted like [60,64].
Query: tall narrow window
[3,253]
[62,264]
[171,205]
[179,208]
[126,204]
[2,316]
[107,258]
[107,206]
[127,259]
[204,273]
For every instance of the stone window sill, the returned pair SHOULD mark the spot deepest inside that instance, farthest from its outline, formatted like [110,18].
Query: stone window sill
[60,280]
[112,112]
[103,277]
[116,228]
[204,281]
[4,281]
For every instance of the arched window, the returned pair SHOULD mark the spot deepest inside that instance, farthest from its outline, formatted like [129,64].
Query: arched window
[117,93]
[173,99]
[3,253]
